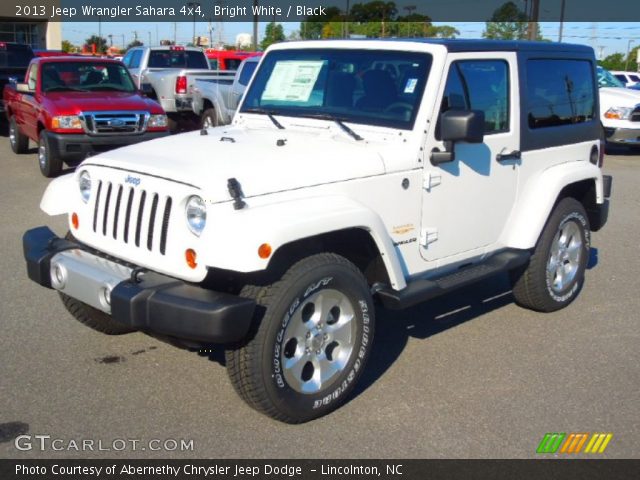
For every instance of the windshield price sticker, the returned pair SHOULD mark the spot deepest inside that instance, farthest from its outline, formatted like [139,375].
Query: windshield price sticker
[292,81]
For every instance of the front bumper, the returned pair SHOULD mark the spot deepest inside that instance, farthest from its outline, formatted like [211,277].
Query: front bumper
[76,147]
[623,136]
[144,300]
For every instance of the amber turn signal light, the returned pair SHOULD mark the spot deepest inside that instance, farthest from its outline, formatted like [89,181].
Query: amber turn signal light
[190,257]
[264,250]
[74,221]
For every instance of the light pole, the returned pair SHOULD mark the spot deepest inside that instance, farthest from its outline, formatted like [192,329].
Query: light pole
[410,9]
[626,64]
[193,6]
[561,20]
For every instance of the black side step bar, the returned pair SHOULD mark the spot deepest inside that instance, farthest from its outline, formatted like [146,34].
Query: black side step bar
[422,290]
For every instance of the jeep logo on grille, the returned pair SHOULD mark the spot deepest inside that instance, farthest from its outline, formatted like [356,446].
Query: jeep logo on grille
[132,180]
[116,122]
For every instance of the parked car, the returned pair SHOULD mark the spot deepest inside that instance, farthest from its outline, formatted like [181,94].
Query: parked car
[628,79]
[168,74]
[14,60]
[227,59]
[216,100]
[73,107]
[619,110]
[338,182]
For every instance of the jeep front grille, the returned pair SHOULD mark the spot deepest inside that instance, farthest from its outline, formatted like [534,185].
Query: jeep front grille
[132,215]
[107,123]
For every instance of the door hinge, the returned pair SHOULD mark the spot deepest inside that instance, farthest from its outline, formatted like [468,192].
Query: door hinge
[428,235]
[431,180]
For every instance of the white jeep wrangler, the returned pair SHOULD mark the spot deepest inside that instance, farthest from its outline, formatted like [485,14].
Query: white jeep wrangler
[353,170]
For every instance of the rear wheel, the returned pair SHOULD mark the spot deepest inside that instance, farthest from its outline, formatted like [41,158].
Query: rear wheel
[48,159]
[555,273]
[209,118]
[312,334]
[19,142]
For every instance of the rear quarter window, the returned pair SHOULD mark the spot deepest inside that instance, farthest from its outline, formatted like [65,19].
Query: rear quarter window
[559,92]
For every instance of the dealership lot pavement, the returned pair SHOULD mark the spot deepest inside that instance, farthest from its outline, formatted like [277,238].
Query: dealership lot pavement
[469,376]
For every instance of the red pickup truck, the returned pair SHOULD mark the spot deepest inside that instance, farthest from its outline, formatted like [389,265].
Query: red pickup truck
[227,59]
[74,107]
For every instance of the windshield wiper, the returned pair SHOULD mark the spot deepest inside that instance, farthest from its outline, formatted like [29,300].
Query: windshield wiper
[268,113]
[338,121]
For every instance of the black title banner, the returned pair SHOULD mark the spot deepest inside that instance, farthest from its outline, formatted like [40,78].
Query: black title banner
[319,469]
[313,10]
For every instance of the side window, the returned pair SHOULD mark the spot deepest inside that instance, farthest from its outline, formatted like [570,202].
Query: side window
[560,92]
[127,58]
[620,77]
[32,78]
[479,85]
[135,59]
[247,72]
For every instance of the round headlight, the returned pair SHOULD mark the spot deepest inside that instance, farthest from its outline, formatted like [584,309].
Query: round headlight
[84,182]
[196,214]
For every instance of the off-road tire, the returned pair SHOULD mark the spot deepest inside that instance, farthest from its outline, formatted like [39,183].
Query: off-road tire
[93,318]
[49,161]
[532,287]
[257,367]
[20,142]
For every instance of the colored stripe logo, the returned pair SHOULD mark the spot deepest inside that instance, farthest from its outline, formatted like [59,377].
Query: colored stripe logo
[574,442]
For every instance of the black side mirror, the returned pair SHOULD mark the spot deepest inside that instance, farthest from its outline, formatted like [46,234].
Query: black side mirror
[458,126]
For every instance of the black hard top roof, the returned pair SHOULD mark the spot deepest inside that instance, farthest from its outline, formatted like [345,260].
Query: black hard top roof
[484,45]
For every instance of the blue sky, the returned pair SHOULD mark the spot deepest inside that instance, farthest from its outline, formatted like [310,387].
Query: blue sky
[606,38]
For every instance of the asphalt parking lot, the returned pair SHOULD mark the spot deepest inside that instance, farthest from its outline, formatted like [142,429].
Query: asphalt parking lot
[470,375]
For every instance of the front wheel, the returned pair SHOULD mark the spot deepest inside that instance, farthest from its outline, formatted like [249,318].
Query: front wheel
[555,273]
[19,142]
[312,335]
[48,159]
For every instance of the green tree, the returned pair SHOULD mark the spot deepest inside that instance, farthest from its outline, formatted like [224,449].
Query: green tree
[508,22]
[135,43]
[273,33]
[100,43]
[68,47]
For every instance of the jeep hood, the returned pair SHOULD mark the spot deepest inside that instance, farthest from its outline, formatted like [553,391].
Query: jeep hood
[253,157]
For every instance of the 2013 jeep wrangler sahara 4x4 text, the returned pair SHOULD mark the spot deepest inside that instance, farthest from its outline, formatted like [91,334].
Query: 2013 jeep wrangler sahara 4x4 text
[353,170]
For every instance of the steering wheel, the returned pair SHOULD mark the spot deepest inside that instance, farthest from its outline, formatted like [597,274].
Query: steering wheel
[400,107]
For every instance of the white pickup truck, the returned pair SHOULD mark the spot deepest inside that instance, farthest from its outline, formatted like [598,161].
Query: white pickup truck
[215,100]
[619,110]
[168,74]
[397,170]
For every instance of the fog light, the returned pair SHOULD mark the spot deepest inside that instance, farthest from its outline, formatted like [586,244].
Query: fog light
[58,276]
[104,296]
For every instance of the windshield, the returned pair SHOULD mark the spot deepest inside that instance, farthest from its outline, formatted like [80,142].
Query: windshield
[86,77]
[606,79]
[177,59]
[371,87]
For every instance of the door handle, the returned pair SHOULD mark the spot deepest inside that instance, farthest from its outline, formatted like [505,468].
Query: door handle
[513,155]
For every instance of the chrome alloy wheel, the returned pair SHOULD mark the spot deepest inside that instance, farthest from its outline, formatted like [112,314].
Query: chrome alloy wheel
[565,257]
[12,135]
[318,341]
[42,155]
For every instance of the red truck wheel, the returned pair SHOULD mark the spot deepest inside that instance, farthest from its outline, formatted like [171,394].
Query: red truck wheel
[49,160]
[19,142]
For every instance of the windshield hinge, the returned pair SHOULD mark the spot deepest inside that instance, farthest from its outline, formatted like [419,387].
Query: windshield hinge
[431,180]
[428,235]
